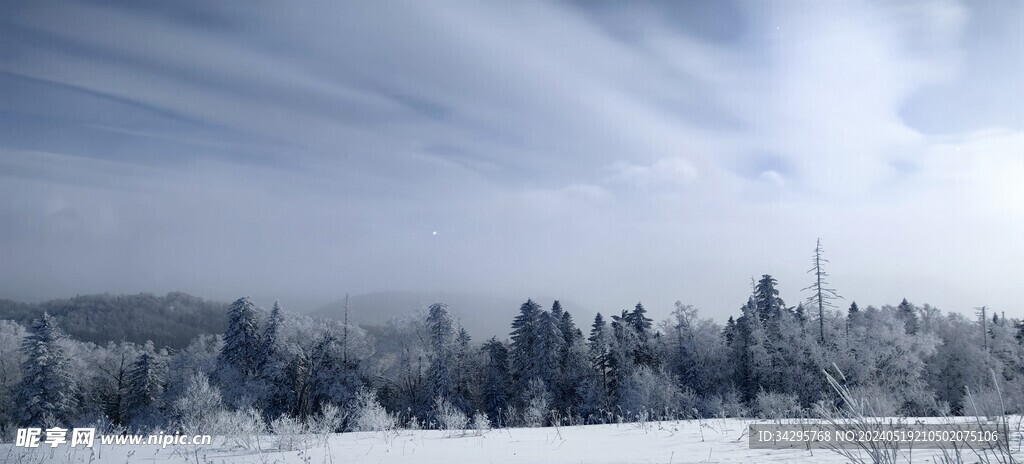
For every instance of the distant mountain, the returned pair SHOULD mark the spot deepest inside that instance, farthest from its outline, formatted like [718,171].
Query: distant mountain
[169,321]
[482,316]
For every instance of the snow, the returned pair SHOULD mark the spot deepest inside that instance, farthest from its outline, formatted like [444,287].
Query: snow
[674,442]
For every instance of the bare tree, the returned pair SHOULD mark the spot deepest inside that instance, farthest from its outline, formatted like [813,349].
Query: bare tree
[823,295]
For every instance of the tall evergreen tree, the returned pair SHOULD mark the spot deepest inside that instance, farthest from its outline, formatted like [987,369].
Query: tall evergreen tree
[47,389]
[643,353]
[146,384]
[242,344]
[441,331]
[599,347]
[497,379]
[548,349]
[907,313]
[751,352]
[463,370]
[524,341]
[766,299]
[276,370]
[729,332]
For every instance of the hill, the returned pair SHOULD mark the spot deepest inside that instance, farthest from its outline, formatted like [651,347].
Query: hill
[171,320]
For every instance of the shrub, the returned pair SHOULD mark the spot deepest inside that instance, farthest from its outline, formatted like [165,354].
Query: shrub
[650,391]
[290,432]
[241,428]
[776,405]
[330,420]
[448,416]
[481,423]
[369,415]
[197,408]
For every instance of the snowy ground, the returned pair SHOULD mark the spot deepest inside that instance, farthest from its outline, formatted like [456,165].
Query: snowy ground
[711,441]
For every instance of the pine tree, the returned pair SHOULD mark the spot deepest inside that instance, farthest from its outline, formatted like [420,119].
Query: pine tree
[497,379]
[47,389]
[146,381]
[753,361]
[557,311]
[463,370]
[241,349]
[598,347]
[622,354]
[441,332]
[270,340]
[643,354]
[907,313]
[548,348]
[766,299]
[852,316]
[801,315]
[730,331]
[274,368]
[332,380]
[524,341]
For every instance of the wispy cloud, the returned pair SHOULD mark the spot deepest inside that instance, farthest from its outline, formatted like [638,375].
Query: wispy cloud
[663,151]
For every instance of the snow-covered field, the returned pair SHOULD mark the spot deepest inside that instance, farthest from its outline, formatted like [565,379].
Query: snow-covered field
[695,441]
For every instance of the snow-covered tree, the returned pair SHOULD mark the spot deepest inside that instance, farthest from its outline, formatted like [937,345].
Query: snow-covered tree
[242,345]
[12,335]
[47,391]
[441,331]
[496,379]
[524,341]
[907,313]
[548,349]
[146,384]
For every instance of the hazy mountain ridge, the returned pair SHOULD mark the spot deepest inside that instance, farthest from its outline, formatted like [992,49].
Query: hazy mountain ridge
[171,320]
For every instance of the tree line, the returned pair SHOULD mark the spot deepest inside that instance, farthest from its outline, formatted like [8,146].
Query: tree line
[424,370]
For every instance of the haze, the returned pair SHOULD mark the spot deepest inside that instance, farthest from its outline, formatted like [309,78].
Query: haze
[600,152]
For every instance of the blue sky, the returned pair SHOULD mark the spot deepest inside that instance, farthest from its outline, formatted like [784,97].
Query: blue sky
[602,152]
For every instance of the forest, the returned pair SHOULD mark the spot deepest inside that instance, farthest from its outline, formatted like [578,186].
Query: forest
[274,370]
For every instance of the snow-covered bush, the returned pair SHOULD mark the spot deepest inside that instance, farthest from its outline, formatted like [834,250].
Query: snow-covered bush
[369,415]
[651,392]
[537,410]
[291,433]
[481,423]
[330,420]
[875,401]
[197,408]
[448,416]
[776,405]
[241,428]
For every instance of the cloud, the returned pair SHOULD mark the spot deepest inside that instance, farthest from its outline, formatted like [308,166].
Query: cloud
[668,172]
[559,147]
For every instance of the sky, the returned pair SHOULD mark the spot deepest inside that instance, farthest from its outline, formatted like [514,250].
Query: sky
[602,152]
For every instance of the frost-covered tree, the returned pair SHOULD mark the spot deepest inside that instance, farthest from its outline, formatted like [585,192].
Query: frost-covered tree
[12,335]
[47,391]
[524,342]
[442,333]
[196,410]
[242,345]
[907,313]
[822,295]
[751,352]
[146,384]
[279,368]
[496,379]
[331,379]
[547,349]
[599,346]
